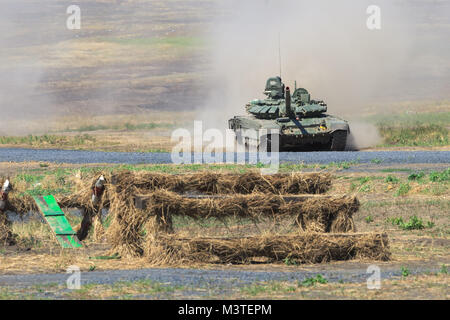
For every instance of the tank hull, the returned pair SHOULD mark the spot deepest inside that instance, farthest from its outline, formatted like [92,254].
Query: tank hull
[324,132]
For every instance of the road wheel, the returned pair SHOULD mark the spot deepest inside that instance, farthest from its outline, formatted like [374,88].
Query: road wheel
[339,140]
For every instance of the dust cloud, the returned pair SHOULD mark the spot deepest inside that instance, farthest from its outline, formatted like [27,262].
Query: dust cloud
[327,47]
[24,45]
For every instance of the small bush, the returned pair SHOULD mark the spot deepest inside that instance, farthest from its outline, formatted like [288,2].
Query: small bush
[414,223]
[391,179]
[405,272]
[369,219]
[376,161]
[364,180]
[403,189]
[440,176]
[415,176]
[443,269]
[313,280]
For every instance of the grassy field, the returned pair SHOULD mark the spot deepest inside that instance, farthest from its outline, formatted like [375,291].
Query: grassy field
[142,133]
[148,131]
[413,129]
[124,83]
[114,89]
[409,204]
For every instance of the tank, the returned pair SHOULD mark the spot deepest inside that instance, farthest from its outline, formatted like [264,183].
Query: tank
[303,123]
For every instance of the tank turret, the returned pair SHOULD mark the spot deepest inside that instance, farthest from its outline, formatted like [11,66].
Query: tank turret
[300,119]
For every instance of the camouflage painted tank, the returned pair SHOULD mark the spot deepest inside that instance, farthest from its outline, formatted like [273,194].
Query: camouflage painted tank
[303,123]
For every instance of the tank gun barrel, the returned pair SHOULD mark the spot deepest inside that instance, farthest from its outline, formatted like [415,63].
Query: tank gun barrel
[289,112]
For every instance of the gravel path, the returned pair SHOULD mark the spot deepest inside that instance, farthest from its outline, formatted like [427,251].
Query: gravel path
[85,157]
[198,282]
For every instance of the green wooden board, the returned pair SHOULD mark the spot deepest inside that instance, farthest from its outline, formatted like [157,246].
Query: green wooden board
[57,221]
[69,241]
[60,225]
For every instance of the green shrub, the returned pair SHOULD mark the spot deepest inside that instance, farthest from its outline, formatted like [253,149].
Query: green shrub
[415,176]
[405,272]
[391,179]
[313,280]
[403,189]
[414,223]
[440,176]
[443,269]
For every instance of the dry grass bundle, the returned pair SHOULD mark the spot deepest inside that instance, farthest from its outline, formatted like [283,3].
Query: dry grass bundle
[302,248]
[163,202]
[128,181]
[19,203]
[331,214]
[223,183]
[126,233]
[334,214]
[294,183]
[6,235]
[126,230]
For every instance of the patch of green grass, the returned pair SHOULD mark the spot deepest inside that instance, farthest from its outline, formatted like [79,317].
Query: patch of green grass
[414,223]
[405,272]
[363,180]
[413,129]
[122,289]
[430,224]
[343,164]
[402,190]
[47,139]
[391,179]
[418,135]
[396,170]
[376,161]
[271,287]
[442,176]
[444,269]
[369,219]
[365,188]
[313,281]
[416,176]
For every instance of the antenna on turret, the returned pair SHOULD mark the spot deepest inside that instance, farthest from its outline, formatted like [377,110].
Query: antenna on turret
[279,50]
